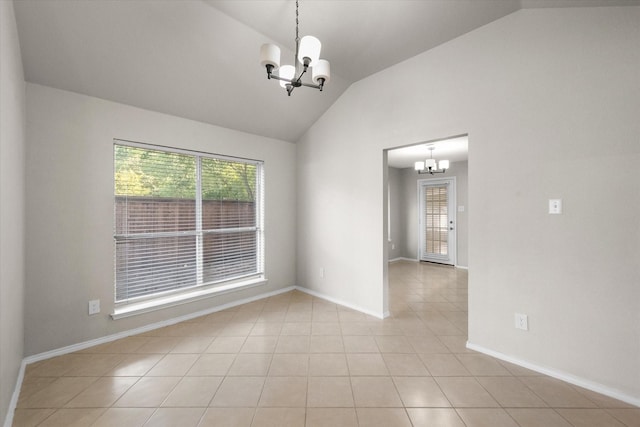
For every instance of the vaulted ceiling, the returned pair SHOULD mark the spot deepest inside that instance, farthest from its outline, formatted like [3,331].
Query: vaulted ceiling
[198,59]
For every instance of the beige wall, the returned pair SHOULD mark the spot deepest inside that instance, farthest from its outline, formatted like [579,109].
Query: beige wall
[550,99]
[409,211]
[70,210]
[12,183]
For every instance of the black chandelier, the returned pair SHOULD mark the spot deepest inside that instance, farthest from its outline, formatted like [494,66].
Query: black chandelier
[429,165]
[307,55]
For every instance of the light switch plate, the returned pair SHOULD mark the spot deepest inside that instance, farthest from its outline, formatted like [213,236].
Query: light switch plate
[460,208]
[522,321]
[555,206]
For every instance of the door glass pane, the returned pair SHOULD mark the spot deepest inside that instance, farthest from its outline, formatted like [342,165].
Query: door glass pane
[436,219]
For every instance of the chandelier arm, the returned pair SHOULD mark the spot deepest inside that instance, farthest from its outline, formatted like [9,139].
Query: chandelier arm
[276,77]
[311,85]
[299,79]
[430,172]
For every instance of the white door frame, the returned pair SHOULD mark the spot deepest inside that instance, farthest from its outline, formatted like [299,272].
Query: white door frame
[453,236]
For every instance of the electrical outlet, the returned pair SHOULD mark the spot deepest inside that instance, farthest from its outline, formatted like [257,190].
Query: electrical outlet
[94,306]
[522,321]
[393,246]
[322,273]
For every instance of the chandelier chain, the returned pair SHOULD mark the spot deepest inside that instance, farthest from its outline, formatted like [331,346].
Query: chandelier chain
[297,40]
[297,35]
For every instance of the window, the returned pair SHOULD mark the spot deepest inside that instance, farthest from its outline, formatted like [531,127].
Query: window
[184,220]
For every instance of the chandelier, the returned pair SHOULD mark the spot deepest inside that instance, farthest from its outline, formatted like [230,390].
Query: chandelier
[307,55]
[429,165]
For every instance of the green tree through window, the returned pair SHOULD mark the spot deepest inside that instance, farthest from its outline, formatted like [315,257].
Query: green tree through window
[143,172]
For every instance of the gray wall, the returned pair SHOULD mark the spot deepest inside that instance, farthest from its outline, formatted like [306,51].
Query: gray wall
[410,208]
[549,98]
[70,210]
[396,219]
[12,183]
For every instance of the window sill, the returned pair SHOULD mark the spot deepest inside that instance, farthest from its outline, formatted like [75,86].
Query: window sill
[184,298]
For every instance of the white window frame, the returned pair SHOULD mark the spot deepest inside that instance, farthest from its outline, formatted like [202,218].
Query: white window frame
[164,299]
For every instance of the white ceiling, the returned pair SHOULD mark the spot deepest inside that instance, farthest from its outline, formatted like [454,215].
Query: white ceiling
[198,59]
[453,149]
[362,37]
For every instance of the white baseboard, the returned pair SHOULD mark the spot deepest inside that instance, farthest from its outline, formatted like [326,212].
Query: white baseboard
[8,421]
[150,327]
[102,340]
[564,376]
[109,338]
[462,267]
[342,303]
[403,259]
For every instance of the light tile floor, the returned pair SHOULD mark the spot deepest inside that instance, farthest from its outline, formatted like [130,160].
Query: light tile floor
[296,360]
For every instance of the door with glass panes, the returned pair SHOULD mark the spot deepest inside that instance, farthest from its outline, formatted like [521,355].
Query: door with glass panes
[437,242]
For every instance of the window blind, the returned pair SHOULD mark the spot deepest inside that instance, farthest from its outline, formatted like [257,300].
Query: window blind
[184,220]
[436,219]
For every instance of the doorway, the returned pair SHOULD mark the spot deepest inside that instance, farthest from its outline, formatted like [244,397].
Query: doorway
[436,221]
[402,209]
